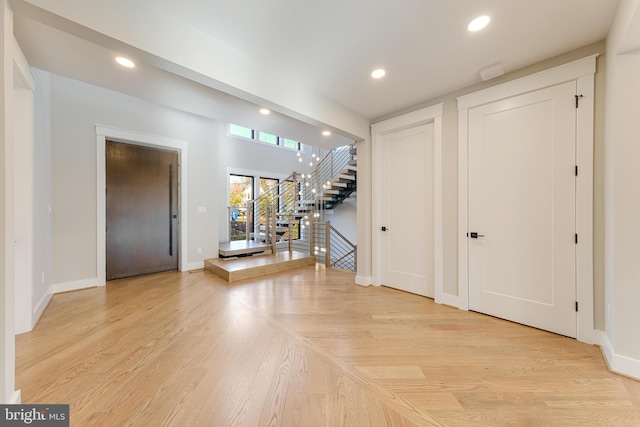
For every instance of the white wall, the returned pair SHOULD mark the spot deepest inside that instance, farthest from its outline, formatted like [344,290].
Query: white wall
[41,292]
[76,108]
[622,192]
[344,218]
[24,200]
[7,212]
[243,156]
[450,168]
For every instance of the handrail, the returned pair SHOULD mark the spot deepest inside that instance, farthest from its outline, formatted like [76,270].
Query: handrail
[341,235]
[289,211]
[334,249]
[278,214]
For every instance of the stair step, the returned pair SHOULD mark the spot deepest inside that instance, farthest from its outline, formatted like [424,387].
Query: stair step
[353,162]
[242,248]
[347,177]
[256,266]
[353,151]
[335,182]
[330,191]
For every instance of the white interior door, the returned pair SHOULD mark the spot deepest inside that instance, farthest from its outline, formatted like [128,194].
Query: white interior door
[407,210]
[522,205]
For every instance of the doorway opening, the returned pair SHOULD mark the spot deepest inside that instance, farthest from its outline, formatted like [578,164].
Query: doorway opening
[104,133]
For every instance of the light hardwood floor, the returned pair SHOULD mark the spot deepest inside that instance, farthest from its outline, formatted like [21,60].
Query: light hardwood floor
[305,348]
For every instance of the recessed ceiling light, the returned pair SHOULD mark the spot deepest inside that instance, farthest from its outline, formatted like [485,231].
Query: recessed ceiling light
[479,23]
[379,73]
[125,62]
[326,132]
[265,111]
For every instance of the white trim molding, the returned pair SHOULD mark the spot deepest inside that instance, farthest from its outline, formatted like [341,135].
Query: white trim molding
[76,285]
[136,138]
[195,266]
[364,280]
[617,363]
[22,68]
[551,77]
[582,72]
[432,114]
[38,311]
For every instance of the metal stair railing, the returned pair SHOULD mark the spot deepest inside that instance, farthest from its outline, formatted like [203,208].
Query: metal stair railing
[288,215]
[326,171]
[280,215]
[332,248]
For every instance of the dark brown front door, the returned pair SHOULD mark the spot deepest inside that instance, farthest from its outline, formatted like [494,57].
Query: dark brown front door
[142,210]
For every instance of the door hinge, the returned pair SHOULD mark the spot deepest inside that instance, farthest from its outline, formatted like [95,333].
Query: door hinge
[576,170]
[576,238]
[578,100]
[576,305]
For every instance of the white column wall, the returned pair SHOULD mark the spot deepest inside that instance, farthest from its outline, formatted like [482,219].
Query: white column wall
[7,214]
[364,274]
[24,199]
[42,291]
[622,195]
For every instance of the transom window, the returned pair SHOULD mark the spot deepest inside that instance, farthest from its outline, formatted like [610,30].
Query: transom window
[264,137]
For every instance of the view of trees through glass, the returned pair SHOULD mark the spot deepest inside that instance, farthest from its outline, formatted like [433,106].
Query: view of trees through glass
[240,192]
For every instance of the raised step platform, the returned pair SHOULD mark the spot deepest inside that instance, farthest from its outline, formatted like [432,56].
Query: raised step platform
[235,269]
[242,248]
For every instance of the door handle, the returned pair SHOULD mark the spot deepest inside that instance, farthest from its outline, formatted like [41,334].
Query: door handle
[474,235]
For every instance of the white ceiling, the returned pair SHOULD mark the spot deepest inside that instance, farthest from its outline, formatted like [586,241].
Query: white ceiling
[323,50]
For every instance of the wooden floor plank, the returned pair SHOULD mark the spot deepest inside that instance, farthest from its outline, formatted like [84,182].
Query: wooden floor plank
[305,348]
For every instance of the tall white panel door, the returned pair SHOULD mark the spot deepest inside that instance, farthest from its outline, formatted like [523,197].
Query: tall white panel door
[522,156]
[407,210]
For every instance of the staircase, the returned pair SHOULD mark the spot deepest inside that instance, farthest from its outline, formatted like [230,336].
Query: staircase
[286,218]
[336,176]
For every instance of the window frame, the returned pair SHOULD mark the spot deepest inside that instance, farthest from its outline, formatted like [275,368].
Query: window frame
[255,137]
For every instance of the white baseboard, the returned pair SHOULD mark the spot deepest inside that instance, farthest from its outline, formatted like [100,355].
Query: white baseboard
[42,305]
[194,266]
[591,336]
[617,363]
[447,299]
[77,285]
[16,399]
[364,280]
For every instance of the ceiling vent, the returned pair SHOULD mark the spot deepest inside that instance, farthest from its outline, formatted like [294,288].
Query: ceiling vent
[492,71]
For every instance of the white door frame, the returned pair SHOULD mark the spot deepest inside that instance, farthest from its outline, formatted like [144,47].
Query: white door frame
[135,138]
[582,72]
[424,116]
